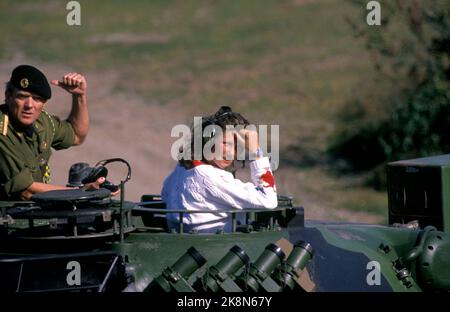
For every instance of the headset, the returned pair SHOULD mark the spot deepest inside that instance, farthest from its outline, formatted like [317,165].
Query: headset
[213,121]
[100,171]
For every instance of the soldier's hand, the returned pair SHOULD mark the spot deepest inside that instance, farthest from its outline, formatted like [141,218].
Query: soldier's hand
[97,184]
[73,83]
[94,185]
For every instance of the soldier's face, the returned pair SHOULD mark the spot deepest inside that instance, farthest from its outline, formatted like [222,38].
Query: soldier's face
[24,107]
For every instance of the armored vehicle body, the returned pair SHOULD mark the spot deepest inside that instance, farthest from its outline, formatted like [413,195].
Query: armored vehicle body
[84,241]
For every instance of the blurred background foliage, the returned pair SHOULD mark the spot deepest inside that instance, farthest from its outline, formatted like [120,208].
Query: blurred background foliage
[405,111]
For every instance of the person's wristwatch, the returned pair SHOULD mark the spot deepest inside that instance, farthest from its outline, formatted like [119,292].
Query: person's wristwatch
[257,154]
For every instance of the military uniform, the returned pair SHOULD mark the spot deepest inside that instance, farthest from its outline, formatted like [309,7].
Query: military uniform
[24,153]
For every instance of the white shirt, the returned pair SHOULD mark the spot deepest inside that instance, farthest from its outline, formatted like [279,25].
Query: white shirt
[206,187]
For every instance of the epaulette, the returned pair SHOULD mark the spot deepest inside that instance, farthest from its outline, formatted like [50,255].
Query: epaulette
[51,121]
[4,122]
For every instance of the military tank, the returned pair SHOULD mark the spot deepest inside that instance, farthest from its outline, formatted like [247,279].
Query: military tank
[85,241]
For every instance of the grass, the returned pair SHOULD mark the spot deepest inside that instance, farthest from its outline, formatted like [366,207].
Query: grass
[277,61]
[276,43]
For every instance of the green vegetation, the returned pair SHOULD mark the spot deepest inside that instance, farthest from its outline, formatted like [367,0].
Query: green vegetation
[412,54]
[246,51]
[288,62]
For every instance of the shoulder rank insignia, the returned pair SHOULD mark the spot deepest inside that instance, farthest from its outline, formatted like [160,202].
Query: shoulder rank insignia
[4,125]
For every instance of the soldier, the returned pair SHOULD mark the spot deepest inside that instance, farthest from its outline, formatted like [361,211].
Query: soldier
[28,132]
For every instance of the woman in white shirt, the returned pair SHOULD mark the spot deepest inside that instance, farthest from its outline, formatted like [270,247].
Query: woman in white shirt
[205,184]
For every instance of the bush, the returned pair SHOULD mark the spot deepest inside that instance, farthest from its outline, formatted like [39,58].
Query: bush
[411,53]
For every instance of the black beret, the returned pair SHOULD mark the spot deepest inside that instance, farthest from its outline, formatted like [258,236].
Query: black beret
[29,78]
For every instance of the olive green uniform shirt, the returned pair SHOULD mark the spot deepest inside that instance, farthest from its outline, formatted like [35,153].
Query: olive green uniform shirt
[24,154]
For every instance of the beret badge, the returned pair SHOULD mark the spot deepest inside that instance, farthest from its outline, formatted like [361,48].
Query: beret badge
[24,83]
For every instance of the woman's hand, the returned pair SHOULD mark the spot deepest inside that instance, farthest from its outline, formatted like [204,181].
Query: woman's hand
[249,139]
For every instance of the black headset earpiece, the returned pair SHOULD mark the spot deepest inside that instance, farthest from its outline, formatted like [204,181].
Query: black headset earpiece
[96,173]
[111,160]
[100,171]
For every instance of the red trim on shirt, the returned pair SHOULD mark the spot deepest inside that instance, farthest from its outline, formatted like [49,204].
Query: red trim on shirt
[196,163]
[268,179]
